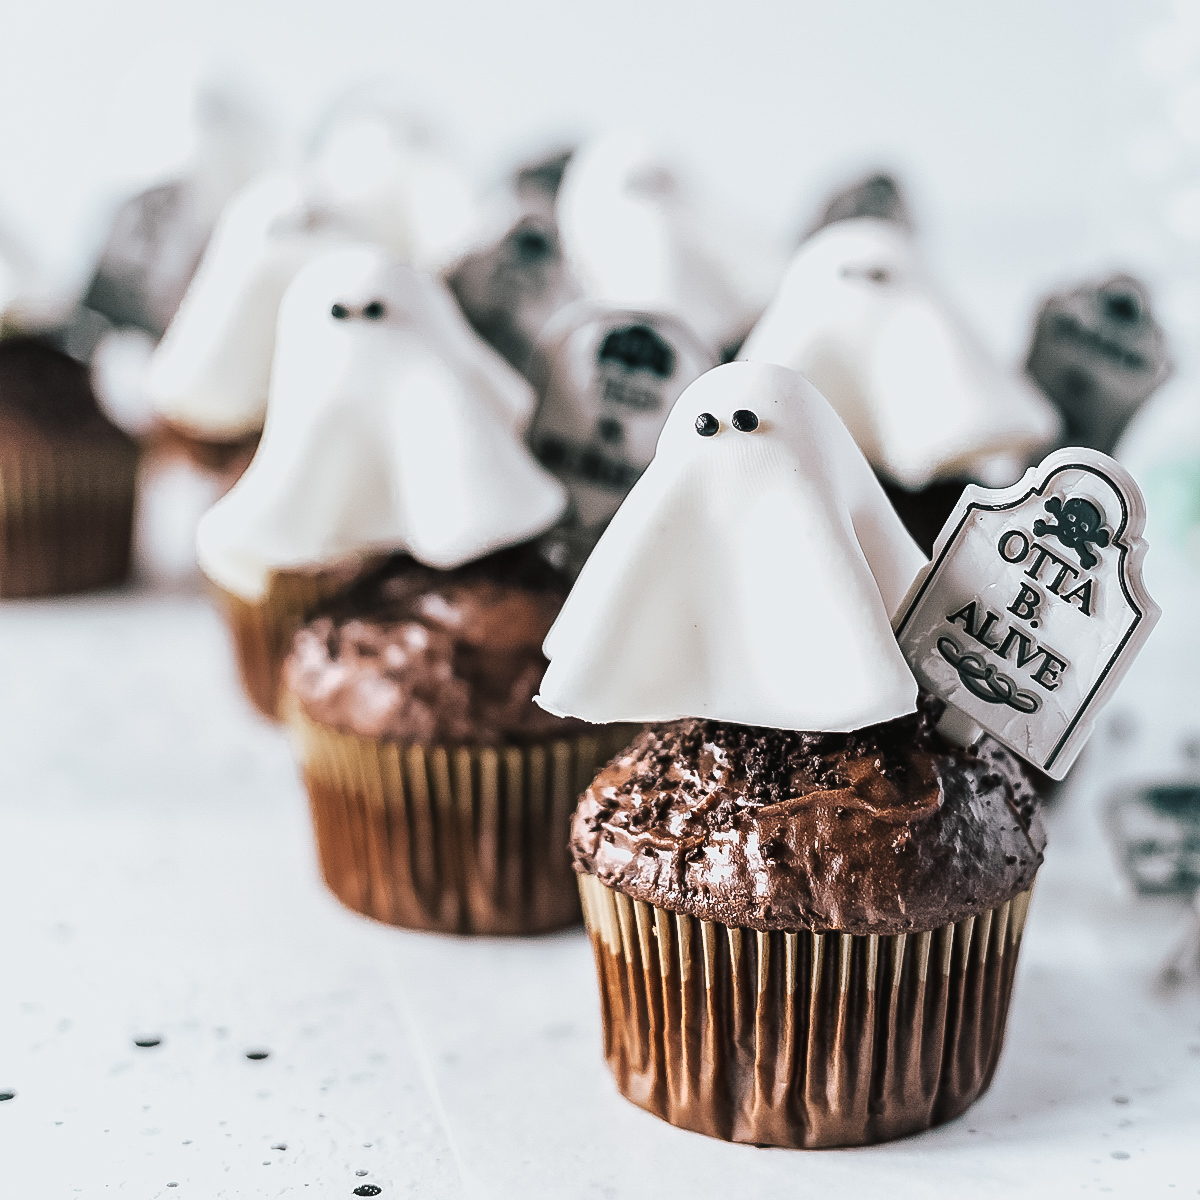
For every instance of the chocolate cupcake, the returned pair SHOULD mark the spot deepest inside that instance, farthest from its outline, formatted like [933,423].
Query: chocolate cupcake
[846,908]
[805,903]
[391,427]
[67,478]
[1099,354]
[441,794]
[858,316]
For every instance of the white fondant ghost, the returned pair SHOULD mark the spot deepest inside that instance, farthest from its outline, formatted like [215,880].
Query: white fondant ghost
[372,178]
[386,182]
[211,372]
[634,237]
[857,316]
[390,427]
[748,577]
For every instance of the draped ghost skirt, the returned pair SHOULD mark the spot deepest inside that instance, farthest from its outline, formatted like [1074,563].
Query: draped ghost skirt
[458,839]
[800,1039]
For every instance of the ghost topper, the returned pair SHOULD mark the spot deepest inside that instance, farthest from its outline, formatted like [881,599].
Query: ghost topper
[1080,525]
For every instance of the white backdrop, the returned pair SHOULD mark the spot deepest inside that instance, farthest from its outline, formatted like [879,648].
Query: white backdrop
[1038,137]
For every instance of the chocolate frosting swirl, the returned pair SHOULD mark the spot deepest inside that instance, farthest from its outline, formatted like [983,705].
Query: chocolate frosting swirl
[886,830]
[427,657]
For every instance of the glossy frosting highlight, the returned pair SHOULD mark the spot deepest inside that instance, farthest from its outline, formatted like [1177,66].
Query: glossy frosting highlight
[886,830]
[434,657]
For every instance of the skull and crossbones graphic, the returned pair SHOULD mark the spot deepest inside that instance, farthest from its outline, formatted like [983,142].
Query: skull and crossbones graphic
[1080,525]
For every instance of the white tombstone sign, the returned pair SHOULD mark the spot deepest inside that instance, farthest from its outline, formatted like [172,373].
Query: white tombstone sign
[1033,606]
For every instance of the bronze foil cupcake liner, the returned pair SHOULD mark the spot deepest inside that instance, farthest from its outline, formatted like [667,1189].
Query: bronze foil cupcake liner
[66,517]
[800,1039]
[262,630]
[458,839]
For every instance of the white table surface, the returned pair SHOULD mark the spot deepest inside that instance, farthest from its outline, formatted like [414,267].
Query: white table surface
[157,879]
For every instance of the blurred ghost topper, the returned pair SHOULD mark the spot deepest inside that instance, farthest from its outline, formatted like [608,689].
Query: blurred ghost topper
[1098,353]
[157,237]
[858,315]
[515,280]
[636,235]
[391,427]
[375,174]
[379,168]
[607,379]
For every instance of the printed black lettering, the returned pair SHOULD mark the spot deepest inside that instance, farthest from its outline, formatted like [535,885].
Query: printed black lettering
[985,629]
[1048,674]
[966,615]
[1039,561]
[1026,604]
[1006,541]
[1084,592]
[1065,570]
[1027,649]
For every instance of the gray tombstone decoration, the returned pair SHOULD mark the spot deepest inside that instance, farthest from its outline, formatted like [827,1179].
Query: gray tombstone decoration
[1098,353]
[509,287]
[1033,607]
[877,195]
[606,380]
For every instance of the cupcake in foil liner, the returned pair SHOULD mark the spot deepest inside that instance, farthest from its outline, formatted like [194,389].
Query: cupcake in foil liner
[262,630]
[457,839]
[66,517]
[800,1039]
[68,477]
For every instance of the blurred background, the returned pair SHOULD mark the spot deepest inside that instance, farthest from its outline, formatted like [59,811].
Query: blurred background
[1039,142]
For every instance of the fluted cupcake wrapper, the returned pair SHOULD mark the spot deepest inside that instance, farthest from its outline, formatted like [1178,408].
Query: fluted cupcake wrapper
[800,1039]
[459,839]
[262,630]
[66,517]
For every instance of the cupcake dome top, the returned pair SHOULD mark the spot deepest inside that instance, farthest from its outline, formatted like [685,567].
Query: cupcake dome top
[748,577]
[883,831]
[425,657]
[390,427]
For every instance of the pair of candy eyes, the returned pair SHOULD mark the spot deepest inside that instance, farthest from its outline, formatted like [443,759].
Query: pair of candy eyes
[744,421]
[375,310]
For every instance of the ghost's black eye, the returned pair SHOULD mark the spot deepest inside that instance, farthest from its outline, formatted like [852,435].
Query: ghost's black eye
[745,421]
[874,274]
[339,312]
[374,311]
[707,424]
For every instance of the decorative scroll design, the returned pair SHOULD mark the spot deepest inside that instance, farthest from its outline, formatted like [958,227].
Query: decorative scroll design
[983,680]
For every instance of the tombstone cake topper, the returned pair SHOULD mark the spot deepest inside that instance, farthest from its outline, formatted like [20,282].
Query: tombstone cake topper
[607,379]
[1033,607]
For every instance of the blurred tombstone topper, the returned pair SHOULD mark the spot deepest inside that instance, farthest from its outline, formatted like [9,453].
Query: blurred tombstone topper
[607,378]
[1099,354]
[1033,607]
